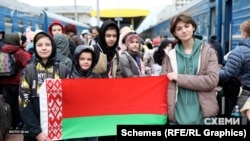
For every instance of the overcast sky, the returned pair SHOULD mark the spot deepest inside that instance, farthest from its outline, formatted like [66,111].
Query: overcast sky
[103,4]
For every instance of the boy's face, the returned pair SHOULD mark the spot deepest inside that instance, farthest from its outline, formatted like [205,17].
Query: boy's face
[85,60]
[56,29]
[110,37]
[44,48]
[134,45]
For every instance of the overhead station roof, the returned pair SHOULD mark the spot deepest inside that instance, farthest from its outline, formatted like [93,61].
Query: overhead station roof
[125,15]
[113,13]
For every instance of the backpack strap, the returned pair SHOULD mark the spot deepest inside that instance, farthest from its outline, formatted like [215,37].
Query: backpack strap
[31,70]
[97,50]
[118,56]
[99,47]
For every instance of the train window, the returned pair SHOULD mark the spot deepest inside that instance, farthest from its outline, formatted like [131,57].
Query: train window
[29,24]
[7,20]
[212,20]
[8,25]
[205,24]
[39,26]
[20,26]
[198,25]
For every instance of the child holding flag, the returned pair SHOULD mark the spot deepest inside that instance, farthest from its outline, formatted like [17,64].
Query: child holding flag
[193,70]
[84,60]
[42,67]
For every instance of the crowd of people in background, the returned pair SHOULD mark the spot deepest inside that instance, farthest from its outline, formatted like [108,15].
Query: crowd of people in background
[193,66]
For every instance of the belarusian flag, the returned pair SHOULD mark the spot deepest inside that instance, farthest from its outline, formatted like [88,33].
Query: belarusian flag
[74,108]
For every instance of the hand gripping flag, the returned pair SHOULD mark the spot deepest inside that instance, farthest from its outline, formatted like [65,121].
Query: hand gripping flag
[75,108]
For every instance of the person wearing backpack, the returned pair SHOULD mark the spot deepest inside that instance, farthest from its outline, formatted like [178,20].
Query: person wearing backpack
[10,84]
[43,66]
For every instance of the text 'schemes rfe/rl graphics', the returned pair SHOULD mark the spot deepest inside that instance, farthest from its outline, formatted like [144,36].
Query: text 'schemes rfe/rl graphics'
[173,132]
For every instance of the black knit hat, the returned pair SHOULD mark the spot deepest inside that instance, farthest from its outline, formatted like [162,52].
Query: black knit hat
[24,39]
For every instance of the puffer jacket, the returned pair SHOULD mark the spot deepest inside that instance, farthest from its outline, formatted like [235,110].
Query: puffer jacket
[238,63]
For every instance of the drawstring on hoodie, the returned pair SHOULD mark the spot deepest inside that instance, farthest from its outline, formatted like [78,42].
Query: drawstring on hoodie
[188,70]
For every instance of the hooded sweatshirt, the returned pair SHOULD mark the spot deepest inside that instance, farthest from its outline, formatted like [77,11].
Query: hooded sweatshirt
[55,22]
[62,45]
[29,90]
[63,54]
[53,54]
[109,66]
[188,110]
[109,51]
[77,72]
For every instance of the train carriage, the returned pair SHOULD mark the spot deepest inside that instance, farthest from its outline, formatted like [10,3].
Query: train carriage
[16,17]
[218,17]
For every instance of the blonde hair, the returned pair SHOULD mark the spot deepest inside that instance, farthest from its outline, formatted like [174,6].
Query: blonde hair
[245,27]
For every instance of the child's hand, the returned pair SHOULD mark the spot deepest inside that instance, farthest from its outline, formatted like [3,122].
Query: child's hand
[172,76]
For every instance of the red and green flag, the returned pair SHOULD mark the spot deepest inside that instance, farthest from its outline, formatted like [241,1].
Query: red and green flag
[75,108]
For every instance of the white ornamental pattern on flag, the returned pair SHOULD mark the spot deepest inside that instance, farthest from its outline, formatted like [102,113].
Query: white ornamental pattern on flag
[51,108]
